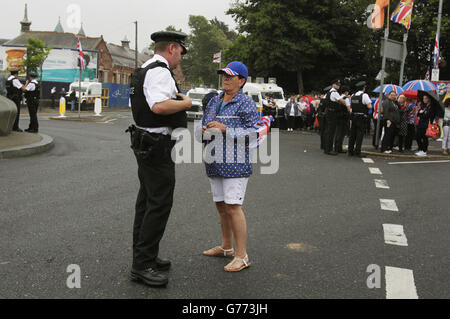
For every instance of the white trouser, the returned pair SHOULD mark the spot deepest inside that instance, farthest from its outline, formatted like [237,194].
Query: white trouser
[446,138]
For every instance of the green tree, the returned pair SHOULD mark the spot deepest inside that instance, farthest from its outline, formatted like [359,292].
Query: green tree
[206,38]
[305,44]
[37,53]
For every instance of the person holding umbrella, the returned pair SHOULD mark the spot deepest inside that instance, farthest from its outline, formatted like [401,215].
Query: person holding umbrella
[426,114]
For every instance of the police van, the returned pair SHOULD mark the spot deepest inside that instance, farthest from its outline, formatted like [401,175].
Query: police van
[260,91]
[197,95]
[89,91]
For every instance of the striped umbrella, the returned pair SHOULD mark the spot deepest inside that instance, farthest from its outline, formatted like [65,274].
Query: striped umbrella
[388,88]
[422,85]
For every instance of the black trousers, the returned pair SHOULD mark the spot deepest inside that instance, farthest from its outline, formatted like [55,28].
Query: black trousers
[389,135]
[322,130]
[16,121]
[341,131]
[356,134]
[332,119]
[422,139]
[410,137]
[291,122]
[156,172]
[32,110]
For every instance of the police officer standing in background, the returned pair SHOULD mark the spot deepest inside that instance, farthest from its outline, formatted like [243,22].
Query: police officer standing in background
[32,96]
[343,125]
[158,108]
[334,103]
[360,106]
[14,93]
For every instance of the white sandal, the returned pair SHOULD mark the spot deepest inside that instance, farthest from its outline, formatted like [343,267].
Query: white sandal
[219,253]
[245,264]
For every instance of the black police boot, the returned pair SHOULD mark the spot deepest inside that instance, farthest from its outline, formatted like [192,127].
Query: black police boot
[162,264]
[333,153]
[350,153]
[360,155]
[150,277]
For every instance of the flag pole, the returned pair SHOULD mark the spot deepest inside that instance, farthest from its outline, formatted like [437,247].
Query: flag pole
[441,2]
[383,67]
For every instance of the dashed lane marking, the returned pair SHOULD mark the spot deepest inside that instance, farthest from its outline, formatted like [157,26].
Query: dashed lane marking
[400,284]
[388,204]
[368,160]
[381,183]
[394,235]
[375,171]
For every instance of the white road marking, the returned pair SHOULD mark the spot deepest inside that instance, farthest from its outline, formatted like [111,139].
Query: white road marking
[375,171]
[418,162]
[368,160]
[394,235]
[381,183]
[388,204]
[400,284]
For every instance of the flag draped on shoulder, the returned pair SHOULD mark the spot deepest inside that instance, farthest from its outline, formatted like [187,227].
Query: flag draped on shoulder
[81,55]
[403,13]
[262,129]
[378,14]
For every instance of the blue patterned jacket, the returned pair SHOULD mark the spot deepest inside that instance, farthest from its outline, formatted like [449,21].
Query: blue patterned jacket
[240,113]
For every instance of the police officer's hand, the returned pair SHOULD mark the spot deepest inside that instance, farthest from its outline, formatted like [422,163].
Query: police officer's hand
[186,99]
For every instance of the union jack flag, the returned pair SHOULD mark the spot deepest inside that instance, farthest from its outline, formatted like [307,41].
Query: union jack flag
[375,109]
[262,129]
[427,75]
[436,52]
[81,55]
[403,13]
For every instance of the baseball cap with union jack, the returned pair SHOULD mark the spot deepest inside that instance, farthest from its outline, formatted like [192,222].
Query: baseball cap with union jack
[235,68]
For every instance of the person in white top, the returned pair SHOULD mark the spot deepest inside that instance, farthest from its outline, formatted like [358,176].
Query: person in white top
[446,127]
[360,106]
[158,107]
[334,102]
[14,93]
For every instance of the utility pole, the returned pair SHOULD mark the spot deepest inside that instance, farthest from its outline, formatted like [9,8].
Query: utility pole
[136,49]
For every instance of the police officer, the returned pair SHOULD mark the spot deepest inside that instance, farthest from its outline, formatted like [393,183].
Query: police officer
[32,96]
[334,103]
[343,125]
[360,106]
[14,93]
[158,108]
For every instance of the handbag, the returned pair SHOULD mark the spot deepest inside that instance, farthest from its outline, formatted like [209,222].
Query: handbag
[432,131]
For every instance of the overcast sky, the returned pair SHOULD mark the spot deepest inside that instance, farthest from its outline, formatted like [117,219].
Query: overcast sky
[113,19]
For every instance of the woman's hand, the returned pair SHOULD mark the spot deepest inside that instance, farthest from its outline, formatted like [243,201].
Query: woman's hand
[216,125]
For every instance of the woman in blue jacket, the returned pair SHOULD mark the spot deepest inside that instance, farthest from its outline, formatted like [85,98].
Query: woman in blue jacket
[233,114]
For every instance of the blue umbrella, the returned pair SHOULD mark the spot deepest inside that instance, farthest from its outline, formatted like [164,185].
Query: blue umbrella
[422,85]
[388,88]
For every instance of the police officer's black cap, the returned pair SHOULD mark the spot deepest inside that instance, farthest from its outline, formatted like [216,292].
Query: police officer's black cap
[345,89]
[33,74]
[336,81]
[361,84]
[14,72]
[327,88]
[170,36]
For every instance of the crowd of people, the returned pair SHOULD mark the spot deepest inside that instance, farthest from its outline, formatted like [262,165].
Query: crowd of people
[403,120]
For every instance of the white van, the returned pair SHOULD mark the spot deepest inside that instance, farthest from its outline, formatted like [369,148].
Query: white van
[197,95]
[89,91]
[260,91]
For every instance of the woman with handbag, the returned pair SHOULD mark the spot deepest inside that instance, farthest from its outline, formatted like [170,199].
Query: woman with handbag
[446,127]
[425,115]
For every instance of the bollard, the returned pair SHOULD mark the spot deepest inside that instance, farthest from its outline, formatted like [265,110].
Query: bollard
[62,107]
[98,107]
